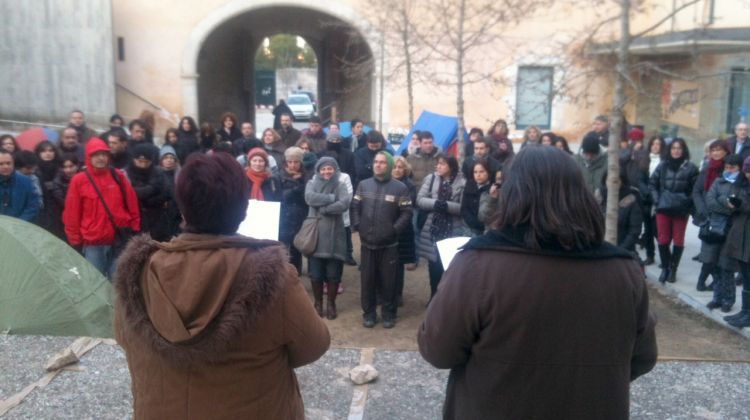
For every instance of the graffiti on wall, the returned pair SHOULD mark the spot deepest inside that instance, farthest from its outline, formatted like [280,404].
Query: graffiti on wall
[680,103]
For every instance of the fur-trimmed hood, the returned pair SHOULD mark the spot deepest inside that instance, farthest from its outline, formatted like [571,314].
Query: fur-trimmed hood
[190,299]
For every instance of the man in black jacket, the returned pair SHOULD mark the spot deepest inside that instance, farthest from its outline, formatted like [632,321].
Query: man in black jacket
[481,151]
[740,143]
[363,157]
[248,141]
[381,209]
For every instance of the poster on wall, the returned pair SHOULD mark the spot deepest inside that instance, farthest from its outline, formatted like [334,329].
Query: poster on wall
[680,103]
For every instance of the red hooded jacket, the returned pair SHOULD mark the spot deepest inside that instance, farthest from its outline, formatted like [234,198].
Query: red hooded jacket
[85,218]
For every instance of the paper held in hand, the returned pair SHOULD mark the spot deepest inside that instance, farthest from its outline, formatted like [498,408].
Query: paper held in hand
[448,248]
[262,220]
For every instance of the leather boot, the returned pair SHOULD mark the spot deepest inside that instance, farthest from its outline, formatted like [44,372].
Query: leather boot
[666,263]
[742,319]
[703,276]
[676,256]
[317,289]
[331,304]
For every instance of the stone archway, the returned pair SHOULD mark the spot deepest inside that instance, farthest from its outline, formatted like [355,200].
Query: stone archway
[218,58]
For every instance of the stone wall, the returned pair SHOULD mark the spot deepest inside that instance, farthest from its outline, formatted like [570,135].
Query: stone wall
[56,56]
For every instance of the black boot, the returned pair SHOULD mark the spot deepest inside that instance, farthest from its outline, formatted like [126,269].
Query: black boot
[742,319]
[666,262]
[703,276]
[317,289]
[331,303]
[676,256]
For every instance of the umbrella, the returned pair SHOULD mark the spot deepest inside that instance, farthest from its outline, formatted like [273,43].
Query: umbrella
[47,288]
[33,136]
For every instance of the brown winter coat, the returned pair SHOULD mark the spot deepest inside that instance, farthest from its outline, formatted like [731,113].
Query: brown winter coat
[529,335]
[213,326]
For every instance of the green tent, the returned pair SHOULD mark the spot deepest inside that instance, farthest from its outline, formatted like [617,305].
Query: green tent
[47,288]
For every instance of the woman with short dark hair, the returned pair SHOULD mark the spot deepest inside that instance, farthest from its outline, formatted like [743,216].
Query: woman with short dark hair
[212,309]
[540,318]
[440,195]
[671,187]
[229,130]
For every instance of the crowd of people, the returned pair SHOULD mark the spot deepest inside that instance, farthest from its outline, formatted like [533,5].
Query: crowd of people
[96,190]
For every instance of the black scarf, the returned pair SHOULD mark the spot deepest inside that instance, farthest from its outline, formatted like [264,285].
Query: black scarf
[48,170]
[442,222]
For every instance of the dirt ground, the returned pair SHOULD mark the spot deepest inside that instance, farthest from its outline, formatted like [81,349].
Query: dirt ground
[682,332]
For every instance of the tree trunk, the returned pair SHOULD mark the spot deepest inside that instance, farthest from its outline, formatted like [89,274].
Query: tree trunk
[407,62]
[381,93]
[615,128]
[460,82]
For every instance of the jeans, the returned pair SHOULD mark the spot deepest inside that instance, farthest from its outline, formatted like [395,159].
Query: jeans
[100,256]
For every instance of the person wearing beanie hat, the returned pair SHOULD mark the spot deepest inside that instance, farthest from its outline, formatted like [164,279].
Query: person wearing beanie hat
[149,183]
[328,199]
[292,178]
[737,245]
[381,210]
[635,134]
[309,160]
[336,149]
[593,164]
[168,225]
[263,186]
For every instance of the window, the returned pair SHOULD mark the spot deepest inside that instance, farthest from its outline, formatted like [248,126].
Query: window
[739,98]
[534,96]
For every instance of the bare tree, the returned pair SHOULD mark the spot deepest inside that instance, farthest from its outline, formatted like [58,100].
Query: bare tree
[461,33]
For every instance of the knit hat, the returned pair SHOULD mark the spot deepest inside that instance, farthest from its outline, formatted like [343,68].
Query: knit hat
[334,137]
[389,160]
[309,159]
[167,150]
[257,151]
[635,134]
[590,143]
[294,154]
[146,151]
[326,161]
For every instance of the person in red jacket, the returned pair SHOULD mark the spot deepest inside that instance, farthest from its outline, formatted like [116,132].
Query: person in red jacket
[87,223]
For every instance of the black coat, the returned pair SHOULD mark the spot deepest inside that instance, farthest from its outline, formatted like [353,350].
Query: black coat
[242,145]
[470,206]
[271,188]
[629,218]
[293,206]
[230,136]
[407,247]
[344,157]
[744,152]
[151,188]
[468,167]
[737,245]
[380,210]
[187,144]
[363,158]
[168,225]
[668,186]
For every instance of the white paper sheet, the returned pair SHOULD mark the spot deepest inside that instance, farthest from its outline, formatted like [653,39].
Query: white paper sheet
[262,220]
[448,248]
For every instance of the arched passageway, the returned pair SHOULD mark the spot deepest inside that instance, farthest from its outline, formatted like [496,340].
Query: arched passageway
[218,67]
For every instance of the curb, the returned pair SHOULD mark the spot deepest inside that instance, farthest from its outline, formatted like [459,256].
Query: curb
[716,316]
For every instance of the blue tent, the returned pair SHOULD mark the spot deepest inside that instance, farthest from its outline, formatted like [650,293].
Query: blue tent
[443,128]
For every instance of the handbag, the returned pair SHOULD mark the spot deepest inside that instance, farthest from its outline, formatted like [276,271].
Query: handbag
[715,231]
[124,233]
[422,214]
[306,240]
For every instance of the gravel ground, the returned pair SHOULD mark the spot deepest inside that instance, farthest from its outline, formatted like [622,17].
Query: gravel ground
[407,387]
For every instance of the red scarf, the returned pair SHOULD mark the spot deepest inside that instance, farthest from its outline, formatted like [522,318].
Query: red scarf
[257,178]
[715,168]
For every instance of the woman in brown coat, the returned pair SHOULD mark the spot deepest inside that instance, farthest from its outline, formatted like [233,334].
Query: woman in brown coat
[213,323]
[539,318]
